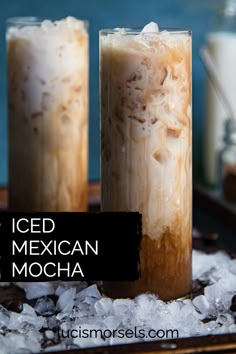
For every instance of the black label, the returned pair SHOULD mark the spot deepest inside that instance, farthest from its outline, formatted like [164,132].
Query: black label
[70,246]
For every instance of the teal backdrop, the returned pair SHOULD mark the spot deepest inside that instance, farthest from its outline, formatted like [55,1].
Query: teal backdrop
[192,14]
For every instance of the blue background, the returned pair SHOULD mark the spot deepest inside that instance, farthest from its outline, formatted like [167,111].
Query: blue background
[193,14]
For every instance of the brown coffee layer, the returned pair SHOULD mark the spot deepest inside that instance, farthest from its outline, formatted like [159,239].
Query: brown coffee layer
[166,269]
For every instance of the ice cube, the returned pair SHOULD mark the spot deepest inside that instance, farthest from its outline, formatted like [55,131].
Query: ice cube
[49,334]
[38,289]
[174,307]
[219,295]
[228,283]
[89,310]
[145,306]
[95,331]
[63,316]
[28,311]
[124,310]
[123,306]
[26,319]
[112,322]
[202,304]
[21,343]
[150,27]
[65,302]
[45,306]
[52,322]
[4,317]
[104,306]
[232,266]
[84,308]
[232,328]
[92,291]
[56,348]
[47,25]
[204,264]
[63,286]
[225,318]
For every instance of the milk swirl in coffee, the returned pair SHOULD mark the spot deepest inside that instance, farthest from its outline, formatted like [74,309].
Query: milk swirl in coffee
[146,150]
[48,114]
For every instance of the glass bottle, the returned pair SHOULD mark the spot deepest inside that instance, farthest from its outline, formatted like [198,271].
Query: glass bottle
[221,43]
[228,161]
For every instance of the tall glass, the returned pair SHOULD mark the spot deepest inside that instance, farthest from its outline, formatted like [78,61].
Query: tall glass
[48,114]
[146,151]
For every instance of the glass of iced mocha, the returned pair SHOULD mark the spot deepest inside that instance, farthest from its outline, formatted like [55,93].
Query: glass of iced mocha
[146,150]
[48,114]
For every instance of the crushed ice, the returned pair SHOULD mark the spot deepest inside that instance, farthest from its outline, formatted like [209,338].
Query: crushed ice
[68,306]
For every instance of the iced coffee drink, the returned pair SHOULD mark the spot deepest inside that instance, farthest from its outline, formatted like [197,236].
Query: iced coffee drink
[146,150]
[48,114]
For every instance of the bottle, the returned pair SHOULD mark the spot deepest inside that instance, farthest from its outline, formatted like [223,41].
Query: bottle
[227,159]
[221,43]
